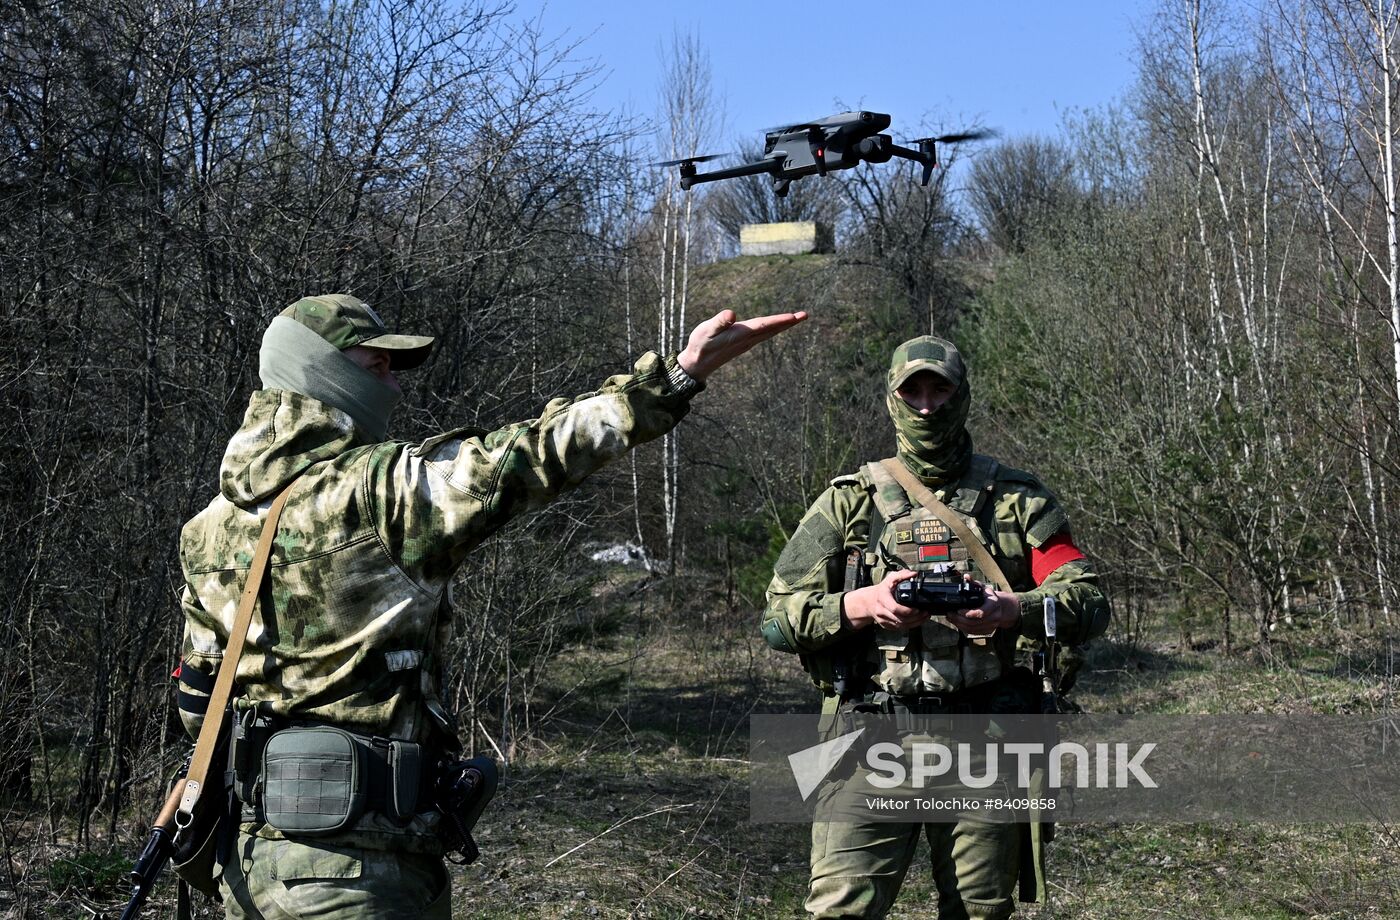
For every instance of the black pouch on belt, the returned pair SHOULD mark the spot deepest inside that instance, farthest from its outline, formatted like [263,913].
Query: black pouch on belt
[405,780]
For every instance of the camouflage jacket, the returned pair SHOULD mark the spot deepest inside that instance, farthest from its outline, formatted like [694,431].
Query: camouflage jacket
[1011,507]
[353,613]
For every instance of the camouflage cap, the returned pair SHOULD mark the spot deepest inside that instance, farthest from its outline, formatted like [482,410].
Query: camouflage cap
[926,353]
[344,321]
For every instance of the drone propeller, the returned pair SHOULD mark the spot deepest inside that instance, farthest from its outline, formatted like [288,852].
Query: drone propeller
[961,137]
[684,160]
[928,146]
[957,138]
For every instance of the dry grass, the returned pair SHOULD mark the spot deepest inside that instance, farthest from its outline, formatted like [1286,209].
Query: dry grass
[653,736]
[631,798]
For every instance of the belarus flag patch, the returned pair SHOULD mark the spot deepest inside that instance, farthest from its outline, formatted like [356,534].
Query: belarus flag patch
[937,553]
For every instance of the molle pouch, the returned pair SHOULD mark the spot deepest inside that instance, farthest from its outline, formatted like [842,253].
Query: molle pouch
[405,781]
[313,781]
[980,663]
[483,790]
[940,664]
[896,666]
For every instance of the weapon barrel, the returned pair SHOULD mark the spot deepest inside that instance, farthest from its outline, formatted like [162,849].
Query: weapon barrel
[159,847]
[133,907]
[148,867]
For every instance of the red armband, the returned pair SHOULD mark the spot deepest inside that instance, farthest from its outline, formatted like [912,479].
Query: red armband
[1054,553]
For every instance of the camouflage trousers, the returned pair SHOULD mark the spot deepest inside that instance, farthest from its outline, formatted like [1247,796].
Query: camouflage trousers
[858,868]
[295,880]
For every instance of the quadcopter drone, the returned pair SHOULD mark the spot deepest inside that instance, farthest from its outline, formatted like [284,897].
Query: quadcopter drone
[823,146]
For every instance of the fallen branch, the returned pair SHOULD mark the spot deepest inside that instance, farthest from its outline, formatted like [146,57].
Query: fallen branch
[683,866]
[615,827]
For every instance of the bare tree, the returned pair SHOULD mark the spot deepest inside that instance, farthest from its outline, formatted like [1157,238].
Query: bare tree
[910,233]
[1020,187]
[1332,66]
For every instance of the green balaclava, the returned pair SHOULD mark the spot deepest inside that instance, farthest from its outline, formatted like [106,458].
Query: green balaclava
[301,352]
[936,447]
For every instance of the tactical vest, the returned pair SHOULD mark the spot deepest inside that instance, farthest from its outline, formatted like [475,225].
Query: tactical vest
[936,657]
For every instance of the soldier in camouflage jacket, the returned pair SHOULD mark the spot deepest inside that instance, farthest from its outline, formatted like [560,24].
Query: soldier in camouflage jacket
[904,659]
[353,613]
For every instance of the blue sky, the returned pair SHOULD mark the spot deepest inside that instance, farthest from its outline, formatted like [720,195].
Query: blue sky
[1014,66]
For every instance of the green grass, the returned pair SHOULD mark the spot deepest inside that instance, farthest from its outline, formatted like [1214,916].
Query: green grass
[1308,672]
[93,873]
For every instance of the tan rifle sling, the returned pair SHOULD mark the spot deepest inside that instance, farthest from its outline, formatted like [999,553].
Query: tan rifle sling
[198,773]
[924,496]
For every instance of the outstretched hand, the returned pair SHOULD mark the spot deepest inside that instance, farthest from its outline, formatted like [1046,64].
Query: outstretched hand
[723,337]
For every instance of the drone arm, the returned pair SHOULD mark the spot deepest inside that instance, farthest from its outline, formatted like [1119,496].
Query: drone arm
[925,156]
[747,169]
[907,153]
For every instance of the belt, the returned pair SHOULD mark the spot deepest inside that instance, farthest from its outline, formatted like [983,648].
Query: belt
[905,708]
[968,700]
[381,777]
[932,703]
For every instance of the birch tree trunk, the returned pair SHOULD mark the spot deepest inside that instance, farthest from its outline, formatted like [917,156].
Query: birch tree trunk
[1332,65]
[688,125]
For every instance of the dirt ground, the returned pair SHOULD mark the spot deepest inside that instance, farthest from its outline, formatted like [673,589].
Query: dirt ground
[630,797]
[637,804]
